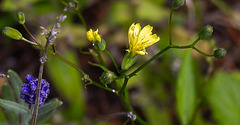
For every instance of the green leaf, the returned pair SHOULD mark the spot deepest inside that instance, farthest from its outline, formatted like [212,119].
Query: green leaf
[8,94]
[46,116]
[224,98]
[13,106]
[52,104]
[185,92]
[2,117]
[16,83]
[47,110]
[67,81]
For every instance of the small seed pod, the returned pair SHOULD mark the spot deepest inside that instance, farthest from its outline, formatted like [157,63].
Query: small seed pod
[107,77]
[12,33]
[206,32]
[220,52]
[21,18]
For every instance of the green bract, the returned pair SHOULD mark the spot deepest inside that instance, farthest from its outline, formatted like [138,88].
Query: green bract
[12,33]
[128,61]
[101,45]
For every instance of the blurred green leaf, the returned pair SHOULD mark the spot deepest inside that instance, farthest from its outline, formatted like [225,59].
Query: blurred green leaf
[67,81]
[120,13]
[12,5]
[16,83]
[224,98]
[185,92]
[3,123]
[156,116]
[42,118]
[7,92]
[47,110]
[13,106]
[52,104]
[25,118]
[150,11]
[2,117]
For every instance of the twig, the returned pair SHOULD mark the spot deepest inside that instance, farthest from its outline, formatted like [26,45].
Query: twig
[50,39]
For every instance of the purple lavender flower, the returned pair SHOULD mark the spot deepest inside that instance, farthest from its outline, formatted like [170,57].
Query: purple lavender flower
[28,92]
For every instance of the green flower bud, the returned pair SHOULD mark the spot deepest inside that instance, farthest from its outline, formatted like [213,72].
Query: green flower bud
[21,18]
[178,3]
[128,61]
[101,45]
[220,52]
[206,32]
[12,33]
[107,77]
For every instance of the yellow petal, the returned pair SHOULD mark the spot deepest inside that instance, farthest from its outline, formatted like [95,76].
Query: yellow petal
[145,32]
[154,38]
[141,53]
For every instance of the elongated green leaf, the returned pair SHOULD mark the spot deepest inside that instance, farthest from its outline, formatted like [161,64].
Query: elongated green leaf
[47,110]
[42,118]
[13,106]
[8,94]
[52,104]
[224,98]
[186,90]
[17,84]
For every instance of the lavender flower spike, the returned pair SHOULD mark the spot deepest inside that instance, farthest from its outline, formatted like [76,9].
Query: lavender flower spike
[28,92]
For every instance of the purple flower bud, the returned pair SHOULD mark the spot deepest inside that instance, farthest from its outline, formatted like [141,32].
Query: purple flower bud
[28,92]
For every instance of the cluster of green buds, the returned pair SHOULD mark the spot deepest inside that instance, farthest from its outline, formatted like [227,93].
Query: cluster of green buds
[206,33]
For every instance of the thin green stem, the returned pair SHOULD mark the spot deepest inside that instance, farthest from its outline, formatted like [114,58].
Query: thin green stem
[82,19]
[28,41]
[99,56]
[150,60]
[209,55]
[106,88]
[25,27]
[126,78]
[170,26]
[195,42]
[114,62]
[63,59]
[180,47]
[77,11]
[128,107]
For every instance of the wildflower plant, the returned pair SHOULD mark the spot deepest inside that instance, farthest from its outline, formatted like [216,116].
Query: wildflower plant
[36,90]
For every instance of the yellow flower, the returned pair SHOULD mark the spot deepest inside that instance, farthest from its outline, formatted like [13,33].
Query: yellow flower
[93,36]
[139,39]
